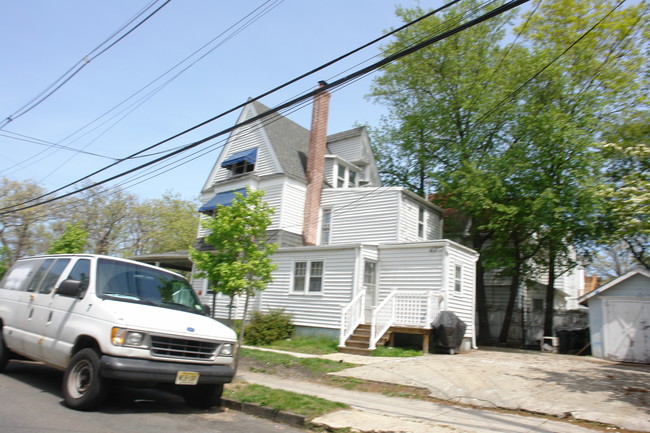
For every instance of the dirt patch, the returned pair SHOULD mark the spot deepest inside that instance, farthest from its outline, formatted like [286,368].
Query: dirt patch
[298,372]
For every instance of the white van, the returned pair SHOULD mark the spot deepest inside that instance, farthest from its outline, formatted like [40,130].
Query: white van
[104,320]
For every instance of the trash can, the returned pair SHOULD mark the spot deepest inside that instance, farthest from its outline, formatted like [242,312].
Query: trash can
[448,332]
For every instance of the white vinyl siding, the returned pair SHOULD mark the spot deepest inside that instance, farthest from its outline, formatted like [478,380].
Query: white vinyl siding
[244,138]
[362,215]
[418,222]
[412,267]
[291,214]
[316,309]
[461,302]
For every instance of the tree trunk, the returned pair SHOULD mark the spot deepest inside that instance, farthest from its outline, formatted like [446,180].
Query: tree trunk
[507,320]
[481,305]
[241,333]
[550,294]
[483,336]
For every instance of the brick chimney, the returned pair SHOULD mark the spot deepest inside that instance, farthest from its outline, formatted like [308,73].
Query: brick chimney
[315,165]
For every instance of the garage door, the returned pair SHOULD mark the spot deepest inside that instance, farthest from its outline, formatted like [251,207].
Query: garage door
[627,330]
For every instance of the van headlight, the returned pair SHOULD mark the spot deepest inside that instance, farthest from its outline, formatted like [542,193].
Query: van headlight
[128,338]
[226,349]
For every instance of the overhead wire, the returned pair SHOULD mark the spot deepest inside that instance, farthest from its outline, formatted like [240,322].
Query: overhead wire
[388,59]
[74,70]
[247,20]
[199,125]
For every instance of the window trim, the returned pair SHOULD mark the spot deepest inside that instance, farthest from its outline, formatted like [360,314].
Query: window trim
[458,278]
[326,226]
[307,277]
[421,222]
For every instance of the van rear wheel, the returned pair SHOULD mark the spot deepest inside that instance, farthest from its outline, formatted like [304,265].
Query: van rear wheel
[5,354]
[83,387]
[203,396]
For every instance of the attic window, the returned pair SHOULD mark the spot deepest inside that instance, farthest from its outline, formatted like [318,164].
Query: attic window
[241,162]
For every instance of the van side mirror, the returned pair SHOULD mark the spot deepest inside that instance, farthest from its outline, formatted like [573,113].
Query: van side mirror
[207,310]
[70,288]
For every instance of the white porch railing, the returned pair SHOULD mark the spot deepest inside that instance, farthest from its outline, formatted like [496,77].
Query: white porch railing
[408,308]
[351,317]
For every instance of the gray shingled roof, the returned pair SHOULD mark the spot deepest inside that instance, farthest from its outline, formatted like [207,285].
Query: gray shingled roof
[291,141]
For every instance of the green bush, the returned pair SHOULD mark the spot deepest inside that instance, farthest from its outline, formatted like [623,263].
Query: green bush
[267,327]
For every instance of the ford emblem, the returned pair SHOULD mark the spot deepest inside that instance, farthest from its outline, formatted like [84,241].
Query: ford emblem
[190,329]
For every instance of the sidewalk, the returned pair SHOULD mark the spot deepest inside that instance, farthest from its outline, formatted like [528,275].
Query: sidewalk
[558,385]
[377,413]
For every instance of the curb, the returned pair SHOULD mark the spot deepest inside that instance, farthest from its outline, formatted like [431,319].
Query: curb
[265,412]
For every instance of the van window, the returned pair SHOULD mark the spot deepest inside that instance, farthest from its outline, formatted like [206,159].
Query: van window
[128,282]
[53,275]
[19,275]
[81,272]
[40,273]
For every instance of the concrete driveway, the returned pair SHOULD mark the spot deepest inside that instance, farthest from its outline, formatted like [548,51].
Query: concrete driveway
[584,387]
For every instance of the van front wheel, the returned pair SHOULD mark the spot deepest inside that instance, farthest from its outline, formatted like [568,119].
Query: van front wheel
[203,396]
[83,387]
[4,353]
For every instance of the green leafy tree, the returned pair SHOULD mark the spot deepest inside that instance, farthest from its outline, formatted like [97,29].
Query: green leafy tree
[72,241]
[502,131]
[164,224]
[239,262]
[625,191]
[23,232]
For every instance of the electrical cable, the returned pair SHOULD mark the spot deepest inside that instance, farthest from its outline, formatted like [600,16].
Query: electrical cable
[389,59]
[70,73]
[252,17]
[313,71]
[515,92]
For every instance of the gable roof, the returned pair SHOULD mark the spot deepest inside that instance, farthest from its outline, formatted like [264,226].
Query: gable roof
[288,143]
[615,282]
[288,139]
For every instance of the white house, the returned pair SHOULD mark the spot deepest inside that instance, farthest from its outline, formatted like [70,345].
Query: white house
[619,318]
[351,251]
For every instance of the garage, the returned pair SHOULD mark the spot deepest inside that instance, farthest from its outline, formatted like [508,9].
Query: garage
[619,318]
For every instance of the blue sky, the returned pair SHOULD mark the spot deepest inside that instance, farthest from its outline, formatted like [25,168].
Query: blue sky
[43,38]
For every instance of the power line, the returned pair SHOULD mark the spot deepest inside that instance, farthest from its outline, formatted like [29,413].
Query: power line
[74,70]
[389,59]
[197,126]
[238,27]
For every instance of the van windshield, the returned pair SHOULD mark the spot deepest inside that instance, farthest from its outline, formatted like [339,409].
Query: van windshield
[130,282]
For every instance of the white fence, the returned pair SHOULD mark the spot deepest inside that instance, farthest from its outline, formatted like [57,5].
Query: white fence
[351,317]
[408,308]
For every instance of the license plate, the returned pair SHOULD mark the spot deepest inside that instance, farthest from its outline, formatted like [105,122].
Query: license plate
[187,378]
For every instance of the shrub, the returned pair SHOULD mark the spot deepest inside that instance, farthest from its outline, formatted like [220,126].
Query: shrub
[267,327]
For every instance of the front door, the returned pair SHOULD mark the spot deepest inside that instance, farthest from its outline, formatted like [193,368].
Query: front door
[370,283]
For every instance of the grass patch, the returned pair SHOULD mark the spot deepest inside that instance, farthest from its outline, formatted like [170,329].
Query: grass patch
[315,365]
[312,345]
[276,399]
[395,352]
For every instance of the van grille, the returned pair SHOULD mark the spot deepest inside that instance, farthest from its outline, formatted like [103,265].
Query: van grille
[180,348]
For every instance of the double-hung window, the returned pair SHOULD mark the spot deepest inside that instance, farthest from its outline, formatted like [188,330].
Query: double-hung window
[326,227]
[458,278]
[308,277]
[340,178]
[421,221]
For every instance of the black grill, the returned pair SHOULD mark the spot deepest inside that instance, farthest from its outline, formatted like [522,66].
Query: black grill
[180,348]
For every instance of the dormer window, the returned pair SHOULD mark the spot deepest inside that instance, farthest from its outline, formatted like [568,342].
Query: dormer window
[345,177]
[241,162]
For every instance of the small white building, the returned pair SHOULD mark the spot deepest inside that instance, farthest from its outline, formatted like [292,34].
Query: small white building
[352,252]
[619,318]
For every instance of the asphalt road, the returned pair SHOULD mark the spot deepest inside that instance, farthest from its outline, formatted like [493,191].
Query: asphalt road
[31,401]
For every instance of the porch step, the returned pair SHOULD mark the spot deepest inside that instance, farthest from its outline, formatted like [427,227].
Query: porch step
[358,343]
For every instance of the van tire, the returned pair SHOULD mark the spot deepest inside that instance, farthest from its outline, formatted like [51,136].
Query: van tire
[5,354]
[83,386]
[203,396]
